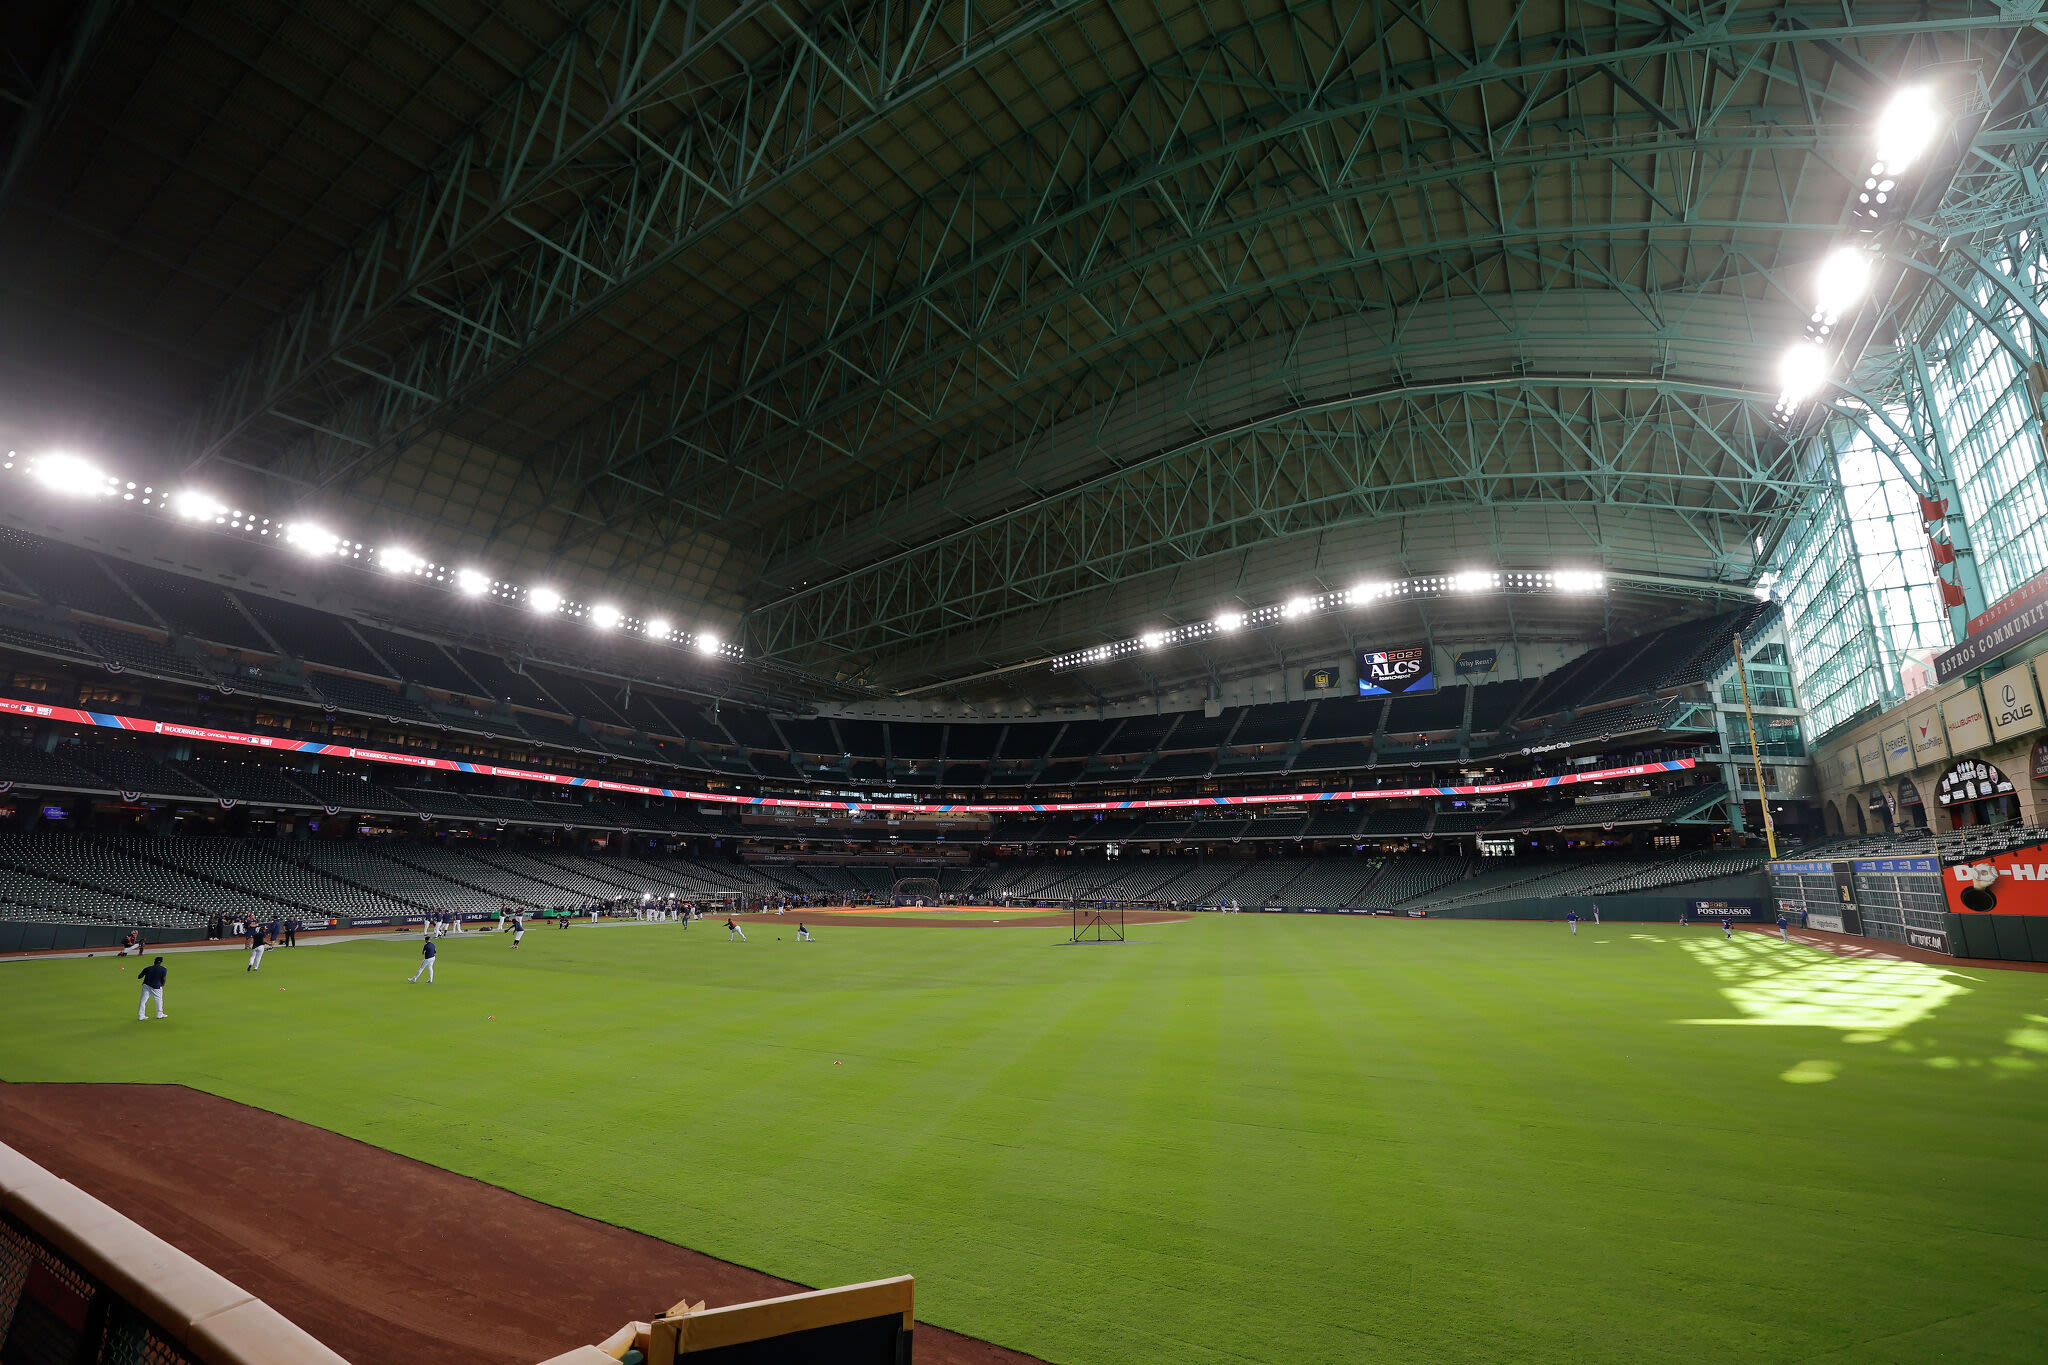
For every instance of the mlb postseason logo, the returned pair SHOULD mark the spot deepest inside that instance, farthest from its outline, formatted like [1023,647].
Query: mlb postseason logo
[1389,672]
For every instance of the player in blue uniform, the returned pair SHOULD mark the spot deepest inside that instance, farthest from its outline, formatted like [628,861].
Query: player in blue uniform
[426,960]
[1781,927]
[1726,932]
[1573,916]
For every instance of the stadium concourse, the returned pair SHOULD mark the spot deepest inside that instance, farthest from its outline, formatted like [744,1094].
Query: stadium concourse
[1380,571]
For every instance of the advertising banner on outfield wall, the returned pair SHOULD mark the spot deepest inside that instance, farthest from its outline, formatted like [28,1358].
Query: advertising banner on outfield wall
[1728,909]
[2014,883]
[1933,940]
[1870,756]
[2010,701]
[1898,752]
[1930,741]
[1962,716]
[1831,923]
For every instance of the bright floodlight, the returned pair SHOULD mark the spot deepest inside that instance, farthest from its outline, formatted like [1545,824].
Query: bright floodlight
[1229,620]
[1152,639]
[604,616]
[398,560]
[1802,371]
[707,643]
[1906,128]
[1366,592]
[1580,580]
[472,582]
[659,628]
[544,600]
[69,475]
[1844,275]
[310,538]
[1296,606]
[194,505]
[1473,580]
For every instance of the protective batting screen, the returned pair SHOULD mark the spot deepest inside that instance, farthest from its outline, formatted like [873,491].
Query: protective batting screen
[914,891]
[51,1310]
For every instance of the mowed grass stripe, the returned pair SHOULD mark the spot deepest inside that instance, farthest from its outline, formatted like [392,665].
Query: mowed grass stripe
[1242,1138]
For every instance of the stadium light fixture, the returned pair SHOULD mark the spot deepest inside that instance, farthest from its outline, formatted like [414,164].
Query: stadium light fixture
[311,538]
[1370,591]
[1844,278]
[1802,371]
[1475,580]
[194,505]
[1905,130]
[707,643]
[1152,639]
[1297,606]
[1580,580]
[69,476]
[1229,620]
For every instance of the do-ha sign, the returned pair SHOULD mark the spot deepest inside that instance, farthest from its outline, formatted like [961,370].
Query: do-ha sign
[2014,883]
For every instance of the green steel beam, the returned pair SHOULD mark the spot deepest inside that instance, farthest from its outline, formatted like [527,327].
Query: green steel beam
[59,81]
[1616,447]
[662,185]
[790,378]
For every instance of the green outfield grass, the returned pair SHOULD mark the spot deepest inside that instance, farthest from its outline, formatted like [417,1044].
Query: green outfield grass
[1242,1138]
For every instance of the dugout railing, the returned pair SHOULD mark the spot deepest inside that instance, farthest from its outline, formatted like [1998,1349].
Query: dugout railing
[83,1285]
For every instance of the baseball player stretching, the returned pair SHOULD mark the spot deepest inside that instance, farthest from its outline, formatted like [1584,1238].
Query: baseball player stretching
[426,961]
[518,930]
[733,930]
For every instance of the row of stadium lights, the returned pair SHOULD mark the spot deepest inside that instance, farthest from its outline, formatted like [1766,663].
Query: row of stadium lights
[1232,620]
[1905,130]
[70,476]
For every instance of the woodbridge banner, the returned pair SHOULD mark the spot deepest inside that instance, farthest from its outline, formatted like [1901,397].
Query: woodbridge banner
[106,720]
[1323,679]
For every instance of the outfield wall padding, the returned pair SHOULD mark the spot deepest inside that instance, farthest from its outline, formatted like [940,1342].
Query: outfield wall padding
[25,936]
[1999,938]
[1650,907]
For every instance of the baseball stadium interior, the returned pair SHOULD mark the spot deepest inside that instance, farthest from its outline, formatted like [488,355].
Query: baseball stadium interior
[1208,490]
